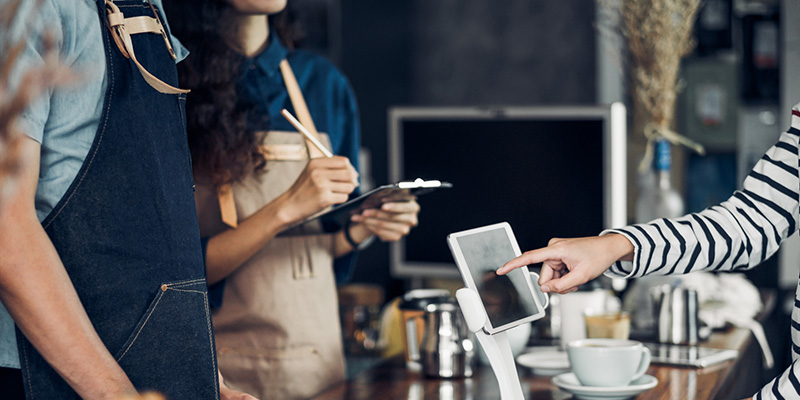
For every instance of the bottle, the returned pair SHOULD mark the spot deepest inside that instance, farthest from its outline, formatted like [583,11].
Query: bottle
[658,199]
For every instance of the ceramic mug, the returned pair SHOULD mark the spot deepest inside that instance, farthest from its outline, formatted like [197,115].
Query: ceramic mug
[607,362]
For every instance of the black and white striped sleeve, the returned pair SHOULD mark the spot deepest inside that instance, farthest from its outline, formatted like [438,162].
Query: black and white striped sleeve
[739,233]
[784,386]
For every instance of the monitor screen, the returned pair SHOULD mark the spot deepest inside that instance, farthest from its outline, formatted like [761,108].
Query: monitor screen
[547,171]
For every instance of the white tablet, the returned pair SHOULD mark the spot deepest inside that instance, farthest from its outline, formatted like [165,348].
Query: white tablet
[508,300]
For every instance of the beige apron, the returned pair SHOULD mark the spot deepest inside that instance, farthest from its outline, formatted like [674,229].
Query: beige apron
[277,332]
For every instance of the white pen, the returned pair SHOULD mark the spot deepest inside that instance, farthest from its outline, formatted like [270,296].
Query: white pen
[292,120]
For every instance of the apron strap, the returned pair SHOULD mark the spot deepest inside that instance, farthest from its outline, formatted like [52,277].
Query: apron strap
[300,107]
[121,30]
[227,205]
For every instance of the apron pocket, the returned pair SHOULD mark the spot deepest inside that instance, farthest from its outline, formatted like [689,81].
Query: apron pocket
[294,372]
[172,338]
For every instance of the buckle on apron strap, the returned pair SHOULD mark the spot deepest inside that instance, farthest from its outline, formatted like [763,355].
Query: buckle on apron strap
[121,30]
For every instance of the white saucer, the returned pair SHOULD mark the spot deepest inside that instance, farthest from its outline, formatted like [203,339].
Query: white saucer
[568,382]
[545,362]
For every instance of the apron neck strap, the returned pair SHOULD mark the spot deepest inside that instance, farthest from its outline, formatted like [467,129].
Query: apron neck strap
[121,30]
[300,107]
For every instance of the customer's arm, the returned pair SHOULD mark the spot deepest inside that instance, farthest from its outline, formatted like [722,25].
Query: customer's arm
[39,295]
[784,386]
[740,233]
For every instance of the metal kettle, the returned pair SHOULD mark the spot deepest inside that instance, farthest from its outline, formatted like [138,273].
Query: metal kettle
[446,350]
[675,310]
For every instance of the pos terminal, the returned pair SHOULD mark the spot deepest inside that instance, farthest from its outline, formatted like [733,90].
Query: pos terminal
[492,303]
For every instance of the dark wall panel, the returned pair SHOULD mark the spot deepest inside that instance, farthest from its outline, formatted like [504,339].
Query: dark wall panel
[502,52]
[458,52]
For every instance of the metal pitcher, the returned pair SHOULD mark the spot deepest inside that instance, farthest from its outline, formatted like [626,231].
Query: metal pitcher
[675,310]
[446,350]
[412,310]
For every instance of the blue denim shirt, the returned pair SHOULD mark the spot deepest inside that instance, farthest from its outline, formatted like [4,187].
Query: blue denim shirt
[330,101]
[327,92]
[64,120]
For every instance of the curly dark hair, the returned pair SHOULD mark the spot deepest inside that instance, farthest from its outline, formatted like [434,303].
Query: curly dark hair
[222,144]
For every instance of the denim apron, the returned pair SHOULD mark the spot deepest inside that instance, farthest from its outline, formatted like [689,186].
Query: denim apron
[126,231]
[278,331]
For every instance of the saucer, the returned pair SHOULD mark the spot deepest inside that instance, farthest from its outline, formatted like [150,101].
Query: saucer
[545,362]
[568,382]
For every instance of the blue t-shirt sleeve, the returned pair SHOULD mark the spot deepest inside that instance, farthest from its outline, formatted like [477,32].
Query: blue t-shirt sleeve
[39,22]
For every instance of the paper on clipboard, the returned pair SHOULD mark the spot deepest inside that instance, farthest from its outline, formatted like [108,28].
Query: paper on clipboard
[335,218]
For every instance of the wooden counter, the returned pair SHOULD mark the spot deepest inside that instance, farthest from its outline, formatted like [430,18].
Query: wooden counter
[729,380]
[734,379]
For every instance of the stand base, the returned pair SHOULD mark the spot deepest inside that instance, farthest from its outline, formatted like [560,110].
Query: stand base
[496,346]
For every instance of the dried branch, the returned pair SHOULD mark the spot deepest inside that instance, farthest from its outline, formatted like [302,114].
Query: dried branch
[657,34]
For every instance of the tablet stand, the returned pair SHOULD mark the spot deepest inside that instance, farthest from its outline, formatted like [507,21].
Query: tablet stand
[496,346]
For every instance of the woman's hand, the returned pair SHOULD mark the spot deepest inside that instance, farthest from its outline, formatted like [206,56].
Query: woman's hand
[568,263]
[389,223]
[324,182]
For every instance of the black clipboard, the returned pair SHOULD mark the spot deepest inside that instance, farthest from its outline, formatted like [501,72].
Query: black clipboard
[334,219]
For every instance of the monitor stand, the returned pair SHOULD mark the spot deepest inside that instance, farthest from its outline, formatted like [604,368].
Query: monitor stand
[496,346]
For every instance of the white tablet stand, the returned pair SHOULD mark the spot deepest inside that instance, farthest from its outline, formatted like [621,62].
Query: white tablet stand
[496,346]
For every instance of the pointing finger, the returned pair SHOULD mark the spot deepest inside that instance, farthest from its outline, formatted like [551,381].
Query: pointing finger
[529,257]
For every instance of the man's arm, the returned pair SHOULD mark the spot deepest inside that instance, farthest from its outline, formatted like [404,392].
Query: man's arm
[39,295]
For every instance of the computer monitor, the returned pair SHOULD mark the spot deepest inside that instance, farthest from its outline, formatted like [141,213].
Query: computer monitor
[547,171]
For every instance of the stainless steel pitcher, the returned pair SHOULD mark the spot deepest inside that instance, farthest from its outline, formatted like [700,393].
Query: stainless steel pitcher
[446,350]
[675,310]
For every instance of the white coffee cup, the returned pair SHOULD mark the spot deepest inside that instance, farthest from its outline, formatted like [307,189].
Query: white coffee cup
[607,362]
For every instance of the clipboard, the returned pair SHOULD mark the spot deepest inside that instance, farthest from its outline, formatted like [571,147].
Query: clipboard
[334,219]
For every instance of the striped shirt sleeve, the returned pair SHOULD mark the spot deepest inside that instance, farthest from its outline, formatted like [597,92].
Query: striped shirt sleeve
[739,233]
[784,386]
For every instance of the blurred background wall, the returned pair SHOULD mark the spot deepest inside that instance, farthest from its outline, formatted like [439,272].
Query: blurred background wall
[450,52]
[523,52]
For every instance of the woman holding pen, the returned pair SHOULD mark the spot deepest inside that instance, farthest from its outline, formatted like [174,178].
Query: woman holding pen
[276,317]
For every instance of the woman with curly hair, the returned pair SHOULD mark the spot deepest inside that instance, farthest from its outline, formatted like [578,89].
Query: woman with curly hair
[276,321]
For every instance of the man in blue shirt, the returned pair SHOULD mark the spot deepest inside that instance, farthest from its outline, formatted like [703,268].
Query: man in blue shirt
[99,243]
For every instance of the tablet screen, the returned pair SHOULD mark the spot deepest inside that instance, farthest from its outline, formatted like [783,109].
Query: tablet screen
[507,298]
